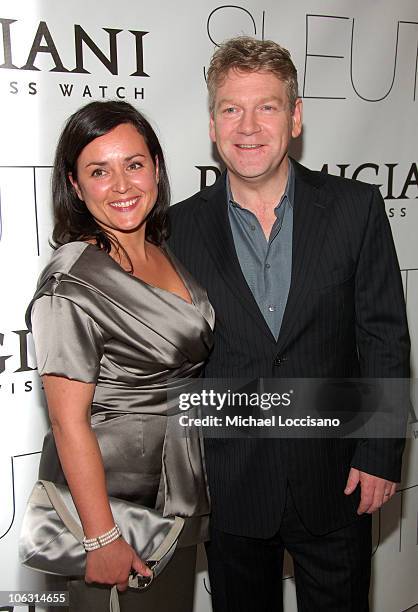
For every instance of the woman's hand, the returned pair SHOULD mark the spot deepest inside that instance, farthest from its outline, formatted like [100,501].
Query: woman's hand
[113,563]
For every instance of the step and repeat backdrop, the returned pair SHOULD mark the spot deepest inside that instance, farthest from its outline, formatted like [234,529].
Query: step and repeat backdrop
[357,62]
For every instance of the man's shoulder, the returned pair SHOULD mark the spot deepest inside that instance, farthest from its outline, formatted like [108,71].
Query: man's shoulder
[332,182]
[193,202]
[184,206]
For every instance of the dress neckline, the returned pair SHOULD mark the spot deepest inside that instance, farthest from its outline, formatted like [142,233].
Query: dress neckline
[155,288]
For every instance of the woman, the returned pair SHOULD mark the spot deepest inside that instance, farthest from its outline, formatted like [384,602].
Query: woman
[114,319]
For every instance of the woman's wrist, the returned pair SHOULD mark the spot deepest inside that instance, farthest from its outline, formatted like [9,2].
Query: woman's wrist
[102,540]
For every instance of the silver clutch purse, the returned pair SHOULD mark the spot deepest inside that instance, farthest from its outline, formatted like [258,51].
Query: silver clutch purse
[51,534]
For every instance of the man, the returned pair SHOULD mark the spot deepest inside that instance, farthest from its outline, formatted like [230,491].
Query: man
[302,272]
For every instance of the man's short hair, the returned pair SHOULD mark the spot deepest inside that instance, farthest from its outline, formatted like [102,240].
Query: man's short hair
[248,54]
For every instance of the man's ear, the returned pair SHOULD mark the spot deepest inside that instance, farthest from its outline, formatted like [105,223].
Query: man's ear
[297,118]
[212,132]
[76,186]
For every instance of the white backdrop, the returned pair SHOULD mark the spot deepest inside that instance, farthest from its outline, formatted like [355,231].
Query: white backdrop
[357,62]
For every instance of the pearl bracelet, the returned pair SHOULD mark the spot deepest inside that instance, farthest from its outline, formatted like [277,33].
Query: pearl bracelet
[102,540]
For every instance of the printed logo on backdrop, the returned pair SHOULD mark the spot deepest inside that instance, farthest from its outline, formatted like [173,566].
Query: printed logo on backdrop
[32,224]
[336,61]
[17,364]
[334,53]
[397,181]
[87,56]
[243,22]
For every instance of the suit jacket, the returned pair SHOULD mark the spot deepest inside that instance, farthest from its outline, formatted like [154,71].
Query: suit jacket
[345,317]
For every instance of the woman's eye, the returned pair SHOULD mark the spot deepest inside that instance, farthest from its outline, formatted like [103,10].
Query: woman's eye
[97,172]
[135,166]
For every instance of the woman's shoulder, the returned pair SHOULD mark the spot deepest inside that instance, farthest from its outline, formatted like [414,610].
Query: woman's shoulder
[62,261]
[73,272]
[79,259]
[65,256]
[75,261]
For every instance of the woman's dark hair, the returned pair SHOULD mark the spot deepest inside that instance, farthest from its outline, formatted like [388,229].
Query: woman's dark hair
[73,220]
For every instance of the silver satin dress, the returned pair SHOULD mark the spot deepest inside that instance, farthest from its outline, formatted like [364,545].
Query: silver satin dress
[94,322]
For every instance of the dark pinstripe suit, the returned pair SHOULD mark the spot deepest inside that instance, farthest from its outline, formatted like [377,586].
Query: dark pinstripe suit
[345,317]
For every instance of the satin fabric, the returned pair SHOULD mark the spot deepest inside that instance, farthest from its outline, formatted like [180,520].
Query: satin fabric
[51,536]
[96,323]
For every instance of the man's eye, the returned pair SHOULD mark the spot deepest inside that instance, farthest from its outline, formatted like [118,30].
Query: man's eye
[230,110]
[267,107]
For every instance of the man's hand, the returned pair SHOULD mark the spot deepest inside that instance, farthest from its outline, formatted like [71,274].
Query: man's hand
[375,491]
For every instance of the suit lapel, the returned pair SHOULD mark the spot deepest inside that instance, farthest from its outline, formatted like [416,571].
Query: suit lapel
[309,226]
[213,221]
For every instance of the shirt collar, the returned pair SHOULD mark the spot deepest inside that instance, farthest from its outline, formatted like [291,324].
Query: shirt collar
[289,192]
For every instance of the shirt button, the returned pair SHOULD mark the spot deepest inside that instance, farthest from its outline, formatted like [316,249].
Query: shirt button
[272,308]
[268,266]
[252,227]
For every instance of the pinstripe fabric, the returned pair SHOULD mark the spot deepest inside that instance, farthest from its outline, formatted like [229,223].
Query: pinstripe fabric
[345,316]
[332,571]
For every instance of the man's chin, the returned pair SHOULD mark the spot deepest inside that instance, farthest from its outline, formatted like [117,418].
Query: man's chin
[248,174]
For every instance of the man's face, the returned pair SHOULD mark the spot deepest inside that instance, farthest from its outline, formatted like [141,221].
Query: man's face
[252,124]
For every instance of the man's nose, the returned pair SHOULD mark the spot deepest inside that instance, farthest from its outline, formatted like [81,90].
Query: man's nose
[248,123]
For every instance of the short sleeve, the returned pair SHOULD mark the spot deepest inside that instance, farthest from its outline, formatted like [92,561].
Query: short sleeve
[68,342]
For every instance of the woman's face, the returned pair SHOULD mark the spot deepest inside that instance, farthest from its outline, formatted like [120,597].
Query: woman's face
[117,179]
